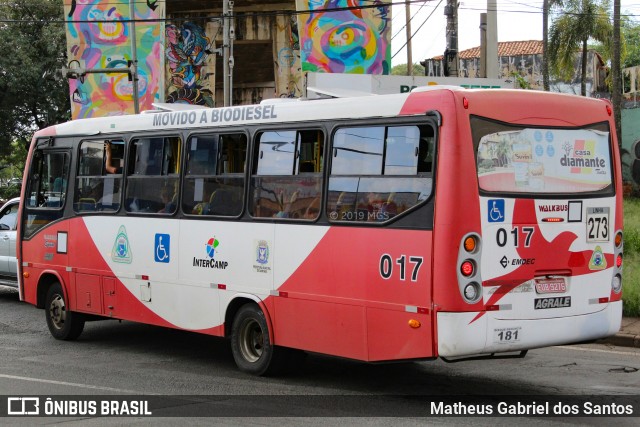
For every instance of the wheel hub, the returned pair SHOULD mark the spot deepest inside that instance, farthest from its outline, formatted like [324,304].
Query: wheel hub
[251,340]
[57,312]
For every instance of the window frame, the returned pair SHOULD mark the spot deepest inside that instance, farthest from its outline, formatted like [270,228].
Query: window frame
[430,121]
[477,136]
[186,176]
[295,175]
[121,176]
[129,178]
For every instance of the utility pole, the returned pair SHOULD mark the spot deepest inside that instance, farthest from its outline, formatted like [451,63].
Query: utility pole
[450,60]
[408,26]
[616,71]
[492,39]
[228,34]
[134,57]
[483,45]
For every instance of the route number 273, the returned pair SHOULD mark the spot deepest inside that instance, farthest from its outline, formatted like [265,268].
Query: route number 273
[387,266]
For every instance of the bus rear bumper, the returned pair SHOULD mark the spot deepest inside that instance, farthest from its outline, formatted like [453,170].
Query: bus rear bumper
[460,335]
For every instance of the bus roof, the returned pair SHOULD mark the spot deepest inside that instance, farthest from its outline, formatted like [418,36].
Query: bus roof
[417,102]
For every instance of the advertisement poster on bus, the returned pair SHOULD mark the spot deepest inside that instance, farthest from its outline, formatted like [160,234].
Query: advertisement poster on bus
[544,160]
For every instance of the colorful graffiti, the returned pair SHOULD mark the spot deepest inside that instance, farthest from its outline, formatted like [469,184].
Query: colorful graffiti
[98,36]
[187,48]
[288,69]
[345,36]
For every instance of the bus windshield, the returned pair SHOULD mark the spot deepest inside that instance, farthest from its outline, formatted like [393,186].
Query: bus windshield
[521,159]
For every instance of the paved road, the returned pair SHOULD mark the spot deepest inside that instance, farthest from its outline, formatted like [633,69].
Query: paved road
[113,358]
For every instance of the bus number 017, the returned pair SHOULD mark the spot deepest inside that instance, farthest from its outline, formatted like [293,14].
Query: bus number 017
[387,266]
[501,236]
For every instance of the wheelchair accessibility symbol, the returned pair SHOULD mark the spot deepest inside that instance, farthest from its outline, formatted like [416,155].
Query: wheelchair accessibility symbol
[162,248]
[495,210]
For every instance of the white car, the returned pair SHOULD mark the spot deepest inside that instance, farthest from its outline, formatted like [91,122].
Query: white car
[8,225]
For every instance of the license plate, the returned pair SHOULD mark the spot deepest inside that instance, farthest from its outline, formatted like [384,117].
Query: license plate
[597,224]
[556,285]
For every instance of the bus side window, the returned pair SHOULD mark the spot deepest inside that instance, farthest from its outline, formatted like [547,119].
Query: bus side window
[153,175]
[214,182]
[43,204]
[380,171]
[287,178]
[98,179]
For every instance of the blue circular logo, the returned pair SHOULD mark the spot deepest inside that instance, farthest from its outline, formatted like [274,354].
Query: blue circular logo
[539,150]
[551,151]
[549,136]
[537,135]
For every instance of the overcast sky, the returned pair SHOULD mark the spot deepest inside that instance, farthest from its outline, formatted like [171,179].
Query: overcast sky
[517,20]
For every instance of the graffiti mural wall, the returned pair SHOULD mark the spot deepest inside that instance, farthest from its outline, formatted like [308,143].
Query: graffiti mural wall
[98,37]
[187,51]
[340,37]
[289,82]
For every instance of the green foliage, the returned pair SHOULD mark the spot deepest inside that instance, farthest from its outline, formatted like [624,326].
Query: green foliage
[630,30]
[631,226]
[401,70]
[521,81]
[12,164]
[631,266]
[630,43]
[631,286]
[578,22]
[9,192]
[33,92]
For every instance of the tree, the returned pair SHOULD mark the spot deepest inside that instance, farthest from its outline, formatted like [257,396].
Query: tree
[630,42]
[580,21]
[33,92]
[401,70]
[546,9]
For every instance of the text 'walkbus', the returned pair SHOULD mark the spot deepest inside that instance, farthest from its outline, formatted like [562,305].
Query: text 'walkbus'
[439,223]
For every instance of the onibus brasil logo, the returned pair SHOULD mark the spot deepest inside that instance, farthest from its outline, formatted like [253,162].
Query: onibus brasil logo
[211,251]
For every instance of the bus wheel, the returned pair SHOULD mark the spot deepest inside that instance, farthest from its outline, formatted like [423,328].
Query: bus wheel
[250,343]
[63,324]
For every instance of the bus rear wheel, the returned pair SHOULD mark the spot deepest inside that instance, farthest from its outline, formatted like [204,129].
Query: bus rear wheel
[251,346]
[63,324]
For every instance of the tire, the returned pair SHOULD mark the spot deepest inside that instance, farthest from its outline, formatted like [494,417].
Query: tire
[250,343]
[63,324]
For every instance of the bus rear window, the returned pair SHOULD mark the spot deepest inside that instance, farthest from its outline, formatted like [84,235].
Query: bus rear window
[521,159]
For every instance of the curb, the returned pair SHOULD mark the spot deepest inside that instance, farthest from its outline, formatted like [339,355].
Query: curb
[623,340]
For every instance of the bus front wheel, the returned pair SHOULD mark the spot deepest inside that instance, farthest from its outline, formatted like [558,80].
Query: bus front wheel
[251,346]
[63,324]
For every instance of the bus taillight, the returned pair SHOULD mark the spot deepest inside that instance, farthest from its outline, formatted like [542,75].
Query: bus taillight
[618,239]
[469,275]
[616,283]
[467,268]
[470,244]
[472,291]
[619,261]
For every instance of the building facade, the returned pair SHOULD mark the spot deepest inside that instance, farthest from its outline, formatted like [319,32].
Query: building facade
[524,59]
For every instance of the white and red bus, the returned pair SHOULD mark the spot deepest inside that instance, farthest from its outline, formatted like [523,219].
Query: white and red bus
[440,223]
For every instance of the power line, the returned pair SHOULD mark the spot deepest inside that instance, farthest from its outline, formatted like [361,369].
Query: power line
[275,13]
[416,32]
[220,16]
[411,19]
